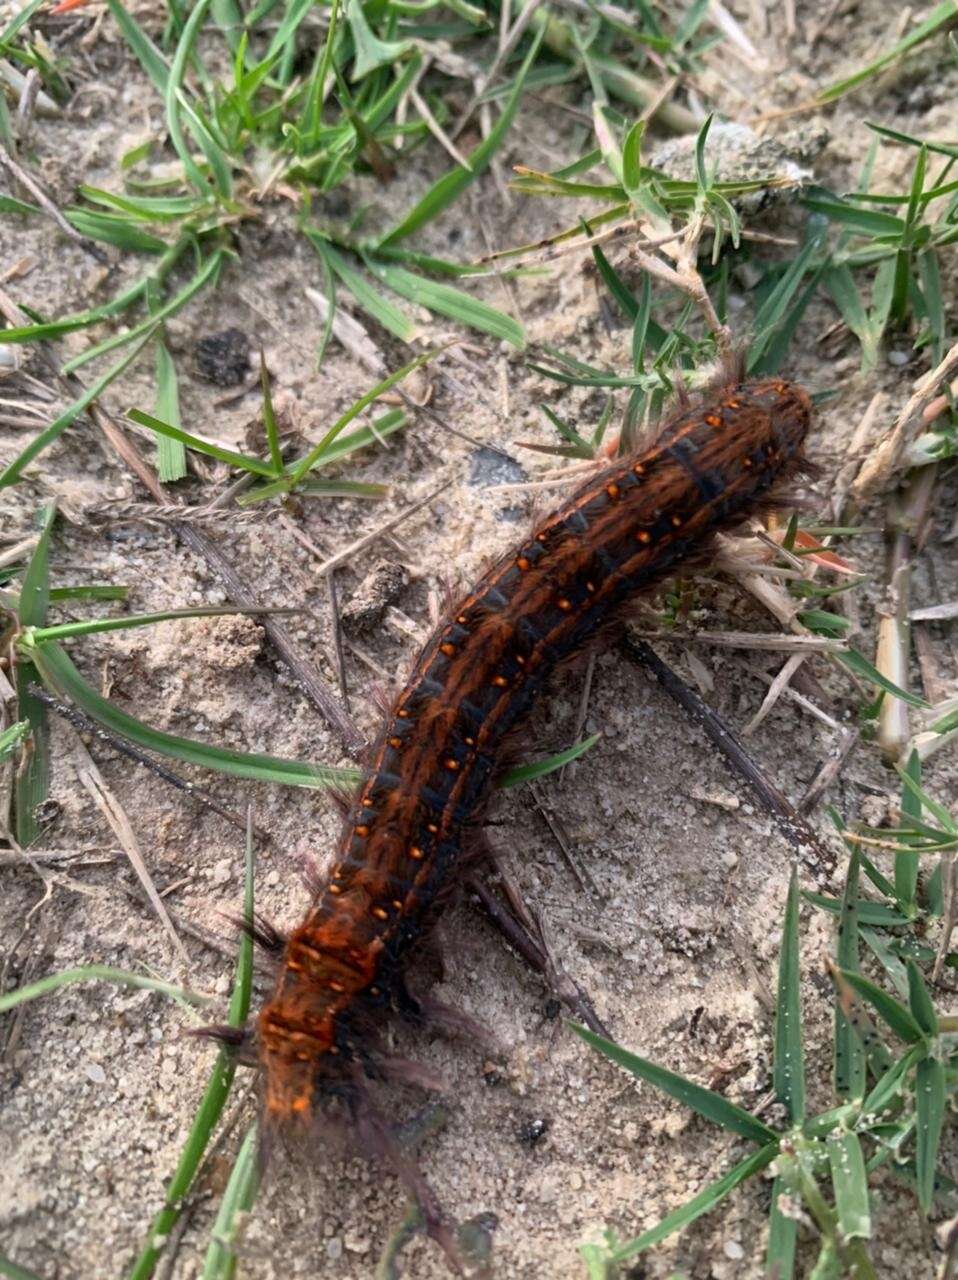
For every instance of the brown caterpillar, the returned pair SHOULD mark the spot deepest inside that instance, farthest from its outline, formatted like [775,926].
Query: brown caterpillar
[473,683]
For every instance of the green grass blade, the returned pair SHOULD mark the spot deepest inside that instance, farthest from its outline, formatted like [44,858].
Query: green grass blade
[97,973]
[930,1112]
[447,301]
[893,1014]
[115,229]
[890,1086]
[371,300]
[58,673]
[317,453]
[850,1182]
[269,418]
[782,1235]
[940,17]
[849,1056]
[144,50]
[704,1101]
[238,1199]
[206,274]
[906,864]
[211,1104]
[529,772]
[35,590]
[10,1271]
[705,1201]
[243,461]
[11,737]
[171,96]
[90,626]
[452,185]
[170,453]
[919,1001]
[788,1073]
[15,469]
[858,664]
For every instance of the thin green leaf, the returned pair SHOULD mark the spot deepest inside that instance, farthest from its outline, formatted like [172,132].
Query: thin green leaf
[906,864]
[371,300]
[238,1198]
[58,672]
[850,1182]
[860,666]
[930,1114]
[172,98]
[704,1101]
[101,973]
[919,1001]
[144,50]
[451,186]
[705,1201]
[244,461]
[91,626]
[211,1104]
[206,275]
[788,1072]
[782,1235]
[15,469]
[115,229]
[939,17]
[849,1056]
[447,301]
[170,453]
[528,772]
[11,737]
[893,1014]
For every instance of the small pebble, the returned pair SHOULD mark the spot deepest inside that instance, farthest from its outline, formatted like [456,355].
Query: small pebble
[898,357]
[95,1072]
[733,1250]
[222,872]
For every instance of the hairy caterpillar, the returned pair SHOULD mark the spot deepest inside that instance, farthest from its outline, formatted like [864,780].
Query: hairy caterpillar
[474,682]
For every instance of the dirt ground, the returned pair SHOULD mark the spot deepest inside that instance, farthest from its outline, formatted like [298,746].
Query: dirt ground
[678,948]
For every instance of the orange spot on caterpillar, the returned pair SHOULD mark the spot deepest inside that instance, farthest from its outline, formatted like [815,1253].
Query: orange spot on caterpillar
[463,619]
[677,522]
[336,985]
[380,913]
[301,1103]
[416,853]
[397,903]
[451,763]
[613,491]
[638,469]
[448,648]
[362,830]
[500,682]
[402,713]
[644,536]
[713,419]
[470,742]
[335,888]
[564,604]
[522,562]
[396,742]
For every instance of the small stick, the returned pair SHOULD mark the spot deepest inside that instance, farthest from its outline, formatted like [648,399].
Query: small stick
[562,840]
[84,724]
[830,768]
[360,544]
[816,856]
[337,637]
[27,181]
[563,987]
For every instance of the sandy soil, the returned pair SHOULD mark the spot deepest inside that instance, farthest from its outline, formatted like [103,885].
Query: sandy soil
[679,950]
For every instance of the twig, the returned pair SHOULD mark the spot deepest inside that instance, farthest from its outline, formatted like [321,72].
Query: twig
[341,557]
[883,461]
[816,856]
[829,770]
[26,180]
[119,823]
[563,987]
[337,637]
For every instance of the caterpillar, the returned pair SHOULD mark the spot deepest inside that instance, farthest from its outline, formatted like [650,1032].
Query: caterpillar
[408,828]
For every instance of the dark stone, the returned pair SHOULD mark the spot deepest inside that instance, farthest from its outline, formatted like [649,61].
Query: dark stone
[223,357]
